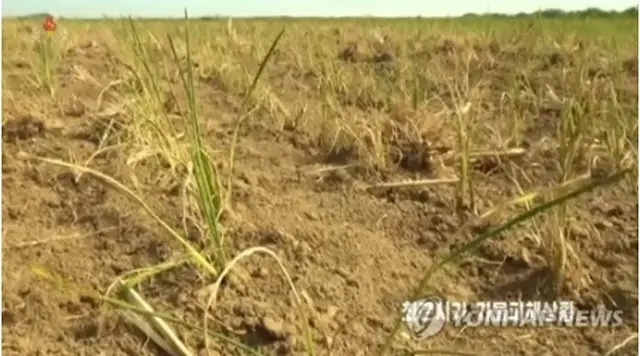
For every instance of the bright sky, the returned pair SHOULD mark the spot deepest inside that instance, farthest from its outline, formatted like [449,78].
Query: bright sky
[239,8]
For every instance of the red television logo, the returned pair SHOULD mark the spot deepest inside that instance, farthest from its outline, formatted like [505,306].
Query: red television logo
[49,24]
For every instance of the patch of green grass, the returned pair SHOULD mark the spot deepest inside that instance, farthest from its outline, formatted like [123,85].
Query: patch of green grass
[46,60]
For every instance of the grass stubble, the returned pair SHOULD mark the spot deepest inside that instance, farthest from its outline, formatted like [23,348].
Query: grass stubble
[544,213]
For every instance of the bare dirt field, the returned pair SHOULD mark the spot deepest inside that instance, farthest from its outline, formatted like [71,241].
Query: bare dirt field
[486,115]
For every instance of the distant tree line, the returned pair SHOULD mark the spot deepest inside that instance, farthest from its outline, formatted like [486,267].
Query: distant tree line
[592,12]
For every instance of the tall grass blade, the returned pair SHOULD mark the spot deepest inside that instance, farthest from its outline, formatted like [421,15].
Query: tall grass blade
[263,64]
[254,83]
[208,189]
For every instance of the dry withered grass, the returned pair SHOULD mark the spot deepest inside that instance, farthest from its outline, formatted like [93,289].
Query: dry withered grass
[359,155]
